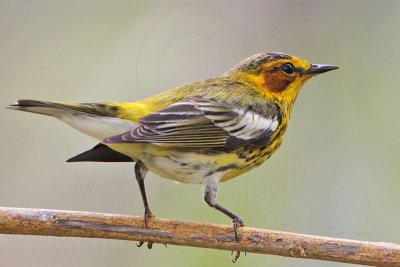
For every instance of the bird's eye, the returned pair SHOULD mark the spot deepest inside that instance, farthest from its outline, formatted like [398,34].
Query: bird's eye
[288,68]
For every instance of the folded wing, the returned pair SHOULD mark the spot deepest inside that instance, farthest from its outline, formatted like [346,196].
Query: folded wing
[203,123]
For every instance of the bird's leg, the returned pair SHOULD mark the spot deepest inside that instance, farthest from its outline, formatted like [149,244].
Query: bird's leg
[140,173]
[210,197]
[236,220]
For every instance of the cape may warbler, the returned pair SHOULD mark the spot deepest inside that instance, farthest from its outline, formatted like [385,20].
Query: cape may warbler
[203,132]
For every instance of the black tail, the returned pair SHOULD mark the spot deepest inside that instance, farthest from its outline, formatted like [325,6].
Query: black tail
[100,153]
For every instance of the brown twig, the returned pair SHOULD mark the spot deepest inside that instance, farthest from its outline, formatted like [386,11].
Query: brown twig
[112,226]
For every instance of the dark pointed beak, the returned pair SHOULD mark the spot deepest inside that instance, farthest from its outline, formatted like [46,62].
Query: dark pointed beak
[318,69]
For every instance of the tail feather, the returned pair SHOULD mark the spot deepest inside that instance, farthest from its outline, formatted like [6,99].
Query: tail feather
[53,108]
[36,106]
[30,103]
[98,120]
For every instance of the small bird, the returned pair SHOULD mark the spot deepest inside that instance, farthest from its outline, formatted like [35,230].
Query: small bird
[203,133]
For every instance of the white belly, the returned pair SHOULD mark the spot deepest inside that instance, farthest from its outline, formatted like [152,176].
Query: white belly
[185,169]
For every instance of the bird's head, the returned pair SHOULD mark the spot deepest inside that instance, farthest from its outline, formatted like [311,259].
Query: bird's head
[279,76]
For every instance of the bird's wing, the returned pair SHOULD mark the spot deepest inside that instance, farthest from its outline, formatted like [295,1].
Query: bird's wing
[201,123]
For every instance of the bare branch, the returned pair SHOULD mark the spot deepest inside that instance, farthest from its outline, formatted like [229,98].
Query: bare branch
[112,226]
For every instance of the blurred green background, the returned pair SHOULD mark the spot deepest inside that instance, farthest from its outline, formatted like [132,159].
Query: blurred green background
[337,173]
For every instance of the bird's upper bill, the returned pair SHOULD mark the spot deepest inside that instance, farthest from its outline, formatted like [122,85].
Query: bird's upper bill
[319,68]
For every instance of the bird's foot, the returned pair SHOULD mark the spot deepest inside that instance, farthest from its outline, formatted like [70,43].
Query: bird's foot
[236,222]
[148,215]
[149,244]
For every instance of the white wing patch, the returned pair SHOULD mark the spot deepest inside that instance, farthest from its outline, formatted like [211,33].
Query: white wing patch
[241,124]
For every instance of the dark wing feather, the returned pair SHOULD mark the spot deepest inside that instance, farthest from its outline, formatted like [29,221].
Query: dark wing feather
[199,122]
[100,153]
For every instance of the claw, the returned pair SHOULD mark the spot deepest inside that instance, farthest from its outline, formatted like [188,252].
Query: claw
[234,256]
[147,216]
[237,222]
[149,244]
